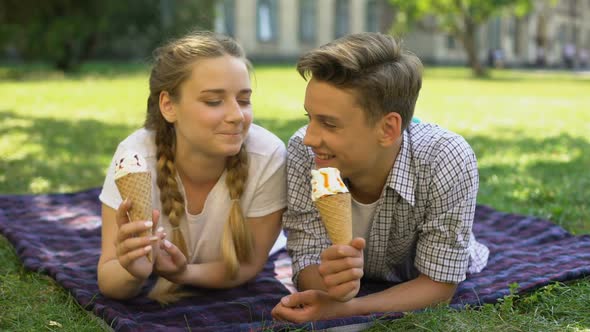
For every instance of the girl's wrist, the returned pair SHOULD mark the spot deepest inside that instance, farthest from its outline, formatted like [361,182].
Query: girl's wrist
[180,277]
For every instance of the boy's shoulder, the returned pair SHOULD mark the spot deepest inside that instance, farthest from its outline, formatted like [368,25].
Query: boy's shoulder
[299,134]
[296,141]
[429,141]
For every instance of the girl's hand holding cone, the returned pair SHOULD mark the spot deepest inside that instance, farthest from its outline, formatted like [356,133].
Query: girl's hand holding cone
[170,262]
[133,250]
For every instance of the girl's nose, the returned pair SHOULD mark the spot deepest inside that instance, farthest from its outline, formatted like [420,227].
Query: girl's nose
[234,112]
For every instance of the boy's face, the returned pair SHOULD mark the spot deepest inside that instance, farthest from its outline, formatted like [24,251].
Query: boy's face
[338,132]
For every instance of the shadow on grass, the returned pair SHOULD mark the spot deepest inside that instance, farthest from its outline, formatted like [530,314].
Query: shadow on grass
[57,155]
[61,156]
[543,177]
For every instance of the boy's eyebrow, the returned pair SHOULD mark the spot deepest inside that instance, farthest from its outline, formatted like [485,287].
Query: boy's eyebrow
[327,118]
[323,117]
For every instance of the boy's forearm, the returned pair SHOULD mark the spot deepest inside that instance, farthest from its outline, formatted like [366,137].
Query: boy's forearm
[415,294]
[310,278]
[115,282]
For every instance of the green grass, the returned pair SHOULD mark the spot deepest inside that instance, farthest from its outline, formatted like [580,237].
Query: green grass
[529,131]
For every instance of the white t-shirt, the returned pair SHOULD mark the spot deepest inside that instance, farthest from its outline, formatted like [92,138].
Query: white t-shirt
[264,193]
[362,218]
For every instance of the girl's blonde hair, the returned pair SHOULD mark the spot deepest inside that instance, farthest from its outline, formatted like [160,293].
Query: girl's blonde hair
[172,66]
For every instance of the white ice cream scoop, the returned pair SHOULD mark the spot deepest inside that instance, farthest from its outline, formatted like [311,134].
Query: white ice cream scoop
[129,162]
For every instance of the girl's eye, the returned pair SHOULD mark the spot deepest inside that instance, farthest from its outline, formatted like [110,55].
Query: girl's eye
[213,103]
[244,102]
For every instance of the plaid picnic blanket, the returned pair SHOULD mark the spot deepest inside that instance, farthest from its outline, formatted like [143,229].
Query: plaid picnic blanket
[59,234]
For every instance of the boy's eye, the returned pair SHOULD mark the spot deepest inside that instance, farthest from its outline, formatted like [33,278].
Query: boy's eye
[213,103]
[328,125]
[307,115]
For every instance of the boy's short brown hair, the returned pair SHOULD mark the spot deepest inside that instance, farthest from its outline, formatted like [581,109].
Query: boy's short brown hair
[384,77]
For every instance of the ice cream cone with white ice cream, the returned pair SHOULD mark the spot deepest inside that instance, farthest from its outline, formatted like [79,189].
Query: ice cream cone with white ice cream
[134,181]
[332,199]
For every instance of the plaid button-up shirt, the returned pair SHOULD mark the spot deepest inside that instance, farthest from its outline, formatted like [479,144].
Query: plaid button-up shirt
[423,220]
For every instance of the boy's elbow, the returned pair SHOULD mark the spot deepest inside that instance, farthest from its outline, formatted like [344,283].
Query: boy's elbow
[447,291]
[443,291]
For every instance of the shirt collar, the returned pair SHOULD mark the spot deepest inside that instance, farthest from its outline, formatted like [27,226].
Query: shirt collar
[402,176]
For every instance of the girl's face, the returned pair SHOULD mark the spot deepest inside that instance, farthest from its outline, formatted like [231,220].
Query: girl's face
[214,112]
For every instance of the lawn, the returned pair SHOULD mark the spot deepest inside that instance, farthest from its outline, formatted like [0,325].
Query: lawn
[529,131]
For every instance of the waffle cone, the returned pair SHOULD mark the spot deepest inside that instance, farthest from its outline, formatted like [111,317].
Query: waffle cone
[138,188]
[336,214]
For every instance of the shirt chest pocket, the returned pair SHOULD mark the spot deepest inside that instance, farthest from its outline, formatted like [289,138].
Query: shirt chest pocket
[402,237]
[403,222]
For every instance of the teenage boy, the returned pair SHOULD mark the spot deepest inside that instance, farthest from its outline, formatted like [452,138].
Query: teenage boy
[413,187]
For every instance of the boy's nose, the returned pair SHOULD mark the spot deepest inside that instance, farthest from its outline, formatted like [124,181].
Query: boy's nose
[311,138]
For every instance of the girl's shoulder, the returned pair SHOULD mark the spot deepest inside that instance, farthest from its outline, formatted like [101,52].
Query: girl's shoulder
[262,142]
[142,141]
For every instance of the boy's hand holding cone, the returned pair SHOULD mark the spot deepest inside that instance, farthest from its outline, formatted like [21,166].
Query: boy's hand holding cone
[134,181]
[332,199]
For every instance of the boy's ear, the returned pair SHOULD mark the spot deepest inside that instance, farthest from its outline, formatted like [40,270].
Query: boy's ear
[167,107]
[390,127]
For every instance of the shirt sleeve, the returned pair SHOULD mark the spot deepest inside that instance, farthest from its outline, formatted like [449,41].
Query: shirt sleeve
[442,251]
[110,195]
[271,192]
[306,235]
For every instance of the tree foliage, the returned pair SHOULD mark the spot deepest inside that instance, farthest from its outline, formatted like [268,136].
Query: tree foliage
[67,32]
[459,18]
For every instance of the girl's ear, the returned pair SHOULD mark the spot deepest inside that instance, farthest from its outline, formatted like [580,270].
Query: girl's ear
[167,107]
[390,129]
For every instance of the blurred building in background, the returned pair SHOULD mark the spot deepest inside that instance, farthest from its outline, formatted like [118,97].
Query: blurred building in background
[277,29]
[549,35]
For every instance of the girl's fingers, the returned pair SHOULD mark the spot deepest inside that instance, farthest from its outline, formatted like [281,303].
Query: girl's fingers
[156,219]
[133,255]
[175,254]
[129,229]
[134,243]
[122,216]
[160,233]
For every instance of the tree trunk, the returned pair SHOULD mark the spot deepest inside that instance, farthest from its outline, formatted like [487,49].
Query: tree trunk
[469,43]
[88,46]
[472,56]
[66,61]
